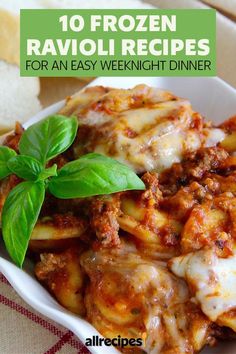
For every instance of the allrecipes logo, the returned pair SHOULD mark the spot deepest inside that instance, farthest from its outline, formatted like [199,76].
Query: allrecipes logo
[118,341]
[118,43]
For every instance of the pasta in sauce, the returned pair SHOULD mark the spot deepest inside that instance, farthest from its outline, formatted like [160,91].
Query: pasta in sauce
[147,264]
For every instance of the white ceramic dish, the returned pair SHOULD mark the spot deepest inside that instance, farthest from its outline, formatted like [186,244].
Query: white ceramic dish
[213,98]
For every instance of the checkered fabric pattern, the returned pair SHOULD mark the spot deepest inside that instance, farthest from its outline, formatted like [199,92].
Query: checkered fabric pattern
[32,332]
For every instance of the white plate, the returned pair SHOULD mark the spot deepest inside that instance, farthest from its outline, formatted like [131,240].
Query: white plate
[210,96]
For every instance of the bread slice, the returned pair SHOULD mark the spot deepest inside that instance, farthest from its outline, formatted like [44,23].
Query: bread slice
[177,4]
[227,7]
[9,37]
[18,96]
[14,6]
[95,4]
[10,24]
[10,28]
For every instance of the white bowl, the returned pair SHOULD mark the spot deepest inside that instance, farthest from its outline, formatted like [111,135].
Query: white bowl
[210,96]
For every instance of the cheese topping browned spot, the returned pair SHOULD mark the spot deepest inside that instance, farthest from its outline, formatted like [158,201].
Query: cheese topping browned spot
[145,128]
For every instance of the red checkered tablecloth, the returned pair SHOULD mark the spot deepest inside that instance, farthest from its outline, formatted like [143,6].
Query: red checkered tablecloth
[35,333]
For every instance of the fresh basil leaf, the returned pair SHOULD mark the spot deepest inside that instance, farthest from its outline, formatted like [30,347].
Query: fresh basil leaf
[93,174]
[5,154]
[49,137]
[19,216]
[48,172]
[25,167]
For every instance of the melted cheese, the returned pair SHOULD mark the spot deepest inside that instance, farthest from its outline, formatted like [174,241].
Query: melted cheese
[213,136]
[212,279]
[131,295]
[158,142]
[145,128]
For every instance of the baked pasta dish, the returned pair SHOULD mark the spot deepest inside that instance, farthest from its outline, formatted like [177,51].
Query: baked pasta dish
[157,264]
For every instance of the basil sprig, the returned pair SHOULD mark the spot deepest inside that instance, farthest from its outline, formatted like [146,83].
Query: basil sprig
[19,216]
[25,167]
[48,138]
[92,174]
[5,155]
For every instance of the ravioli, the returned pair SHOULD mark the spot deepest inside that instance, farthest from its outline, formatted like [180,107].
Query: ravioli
[134,297]
[157,264]
[213,283]
[146,128]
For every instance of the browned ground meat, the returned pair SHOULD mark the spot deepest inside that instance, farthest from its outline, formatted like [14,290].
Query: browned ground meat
[152,191]
[6,186]
[181,203]
[194,167]
[12,140]
[230,124]
[104,212]
[64,277]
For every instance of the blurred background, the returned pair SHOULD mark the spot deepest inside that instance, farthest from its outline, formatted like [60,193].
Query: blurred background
[20,98]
